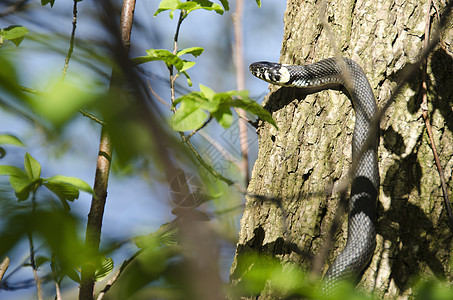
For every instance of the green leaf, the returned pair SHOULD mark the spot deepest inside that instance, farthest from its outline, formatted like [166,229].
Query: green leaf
[44,2]
[190,6]
[169,237]
[63,191]
[195,51]
[106,266]
[32,167]
[161,55]
[225,5]
[71,273]
[187,65]
[72,181]
[207,92]
[12,171]
[40,260]
[258,2]
[64,101]
[14,33]
[11,140]
[224,116]
[189,116]
[254,108]
[22,186]
[164,5]
[189,81]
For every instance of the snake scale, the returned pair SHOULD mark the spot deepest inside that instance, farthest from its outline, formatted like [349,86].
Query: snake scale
[364,189]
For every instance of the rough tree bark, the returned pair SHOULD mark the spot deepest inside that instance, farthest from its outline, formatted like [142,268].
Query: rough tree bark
[292,179]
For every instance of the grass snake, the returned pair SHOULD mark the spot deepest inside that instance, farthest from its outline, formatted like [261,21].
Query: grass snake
[364,189]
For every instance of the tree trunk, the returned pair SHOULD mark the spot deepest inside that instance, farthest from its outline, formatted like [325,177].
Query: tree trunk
[290,206]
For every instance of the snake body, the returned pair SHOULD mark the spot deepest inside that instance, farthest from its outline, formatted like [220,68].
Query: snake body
[362,204]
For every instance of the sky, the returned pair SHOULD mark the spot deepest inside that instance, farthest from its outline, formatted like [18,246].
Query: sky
[263,31]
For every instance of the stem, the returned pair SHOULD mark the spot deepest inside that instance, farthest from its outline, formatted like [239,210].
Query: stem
[95,216]
[240,82]
[3,267]
[32,251]
[55,279]
[71,43]
[173,77]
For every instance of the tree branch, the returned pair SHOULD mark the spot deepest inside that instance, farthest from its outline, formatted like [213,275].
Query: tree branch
[95,216]
[3,267]
[71,42]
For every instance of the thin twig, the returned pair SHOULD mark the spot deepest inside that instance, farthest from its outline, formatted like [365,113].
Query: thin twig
[3,267]
[55,279]
[198,129]
[240,82]
[171,68]
[32,251]
[92,117]
[159,98]
[71,42]
[221,149]
[424,107]
[15,7]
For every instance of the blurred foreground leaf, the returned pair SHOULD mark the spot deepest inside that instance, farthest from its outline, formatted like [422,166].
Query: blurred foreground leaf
[13,33]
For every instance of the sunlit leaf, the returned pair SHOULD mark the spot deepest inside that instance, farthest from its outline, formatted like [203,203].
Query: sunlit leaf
[258,2]
[223,116]
[169,237]
[160,55]
[12,171]
[189,80]
[207,92]
[195,51]
[190,6]
[63,191]
[189,116]
[14,33]
[106,266]
[31,166]
[10,140]
[164,5]
[73,181]
[22,185]
[254,108]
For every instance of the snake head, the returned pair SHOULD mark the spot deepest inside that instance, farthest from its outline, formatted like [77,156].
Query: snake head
[273,73]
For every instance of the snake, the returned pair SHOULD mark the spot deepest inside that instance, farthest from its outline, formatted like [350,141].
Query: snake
[346,73]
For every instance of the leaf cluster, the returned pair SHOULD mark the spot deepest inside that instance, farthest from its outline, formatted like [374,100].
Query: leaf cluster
[28,180]
[13,33]
[196,107]
[189,6]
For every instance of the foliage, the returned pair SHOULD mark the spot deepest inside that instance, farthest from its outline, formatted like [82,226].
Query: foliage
[13,33]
